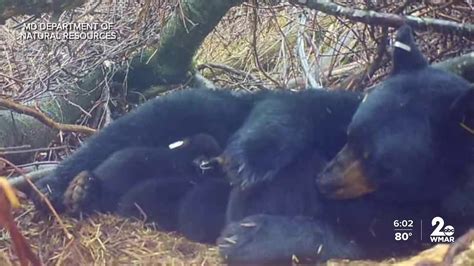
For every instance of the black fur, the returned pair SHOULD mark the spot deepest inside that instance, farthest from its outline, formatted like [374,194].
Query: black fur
[167,186]
[408,137]
[275,145]
[122,157]
[157,123]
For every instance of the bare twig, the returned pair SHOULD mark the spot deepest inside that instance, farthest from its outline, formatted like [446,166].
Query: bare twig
[229,69]
[5,151]
[8,202]
[14,148]
[254,45]
[41,195]
[20,182]
[300,51]
[14,8]
[22,109]
[387,19]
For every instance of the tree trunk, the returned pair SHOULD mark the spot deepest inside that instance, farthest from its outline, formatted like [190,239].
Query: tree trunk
[18,129]
[180,39]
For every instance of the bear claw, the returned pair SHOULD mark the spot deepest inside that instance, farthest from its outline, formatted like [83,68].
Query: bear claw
[78,192]
[248,224]
[231,239]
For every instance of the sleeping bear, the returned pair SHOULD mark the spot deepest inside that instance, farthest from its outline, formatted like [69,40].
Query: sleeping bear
[272,128]
[265,122]
[159,185]
[102,188]
[409,144]
[277,142]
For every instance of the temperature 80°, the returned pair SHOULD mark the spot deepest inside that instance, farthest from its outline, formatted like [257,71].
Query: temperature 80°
[403,236]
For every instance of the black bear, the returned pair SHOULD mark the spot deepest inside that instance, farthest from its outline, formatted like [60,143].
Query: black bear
[167,186]
[408,144]
[410,134]
[270,137]
[101,188]
[259,124]
[154,124]
[197,211]
[254,125]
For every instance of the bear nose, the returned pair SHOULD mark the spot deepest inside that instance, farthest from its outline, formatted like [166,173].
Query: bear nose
[344,177]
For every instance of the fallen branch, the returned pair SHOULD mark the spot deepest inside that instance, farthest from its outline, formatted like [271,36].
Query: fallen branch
[20,182]
[387,19]
[22,109]
[18,129]
[8,202]
[41,196]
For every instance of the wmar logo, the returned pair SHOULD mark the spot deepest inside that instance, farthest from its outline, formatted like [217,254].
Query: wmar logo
[441,233]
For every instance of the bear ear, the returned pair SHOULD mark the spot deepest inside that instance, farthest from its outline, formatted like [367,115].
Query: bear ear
[463,108]
[406,55]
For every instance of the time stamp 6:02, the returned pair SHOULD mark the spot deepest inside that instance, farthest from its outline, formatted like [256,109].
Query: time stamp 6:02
[403,229]
[440,233]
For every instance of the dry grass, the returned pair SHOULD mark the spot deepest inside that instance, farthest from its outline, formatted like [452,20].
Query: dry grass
[104,239]
[334,48]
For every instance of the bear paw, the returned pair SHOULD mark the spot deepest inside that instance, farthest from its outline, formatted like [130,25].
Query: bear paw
[243,241]
[264,239]
[272,239]
[242,172]
[80,192]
